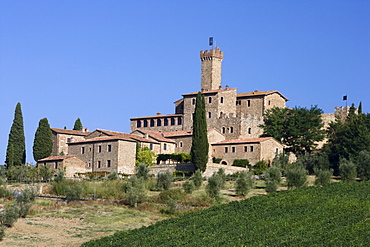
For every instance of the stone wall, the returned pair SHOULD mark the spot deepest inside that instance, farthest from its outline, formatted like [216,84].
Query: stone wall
[187,167]
[212,168]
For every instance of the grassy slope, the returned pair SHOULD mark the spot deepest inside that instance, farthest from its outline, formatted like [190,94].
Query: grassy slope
[334,215]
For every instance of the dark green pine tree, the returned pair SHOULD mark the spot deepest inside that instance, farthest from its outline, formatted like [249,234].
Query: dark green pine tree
[199,145]
[43,142]
[16,149]
[78,124]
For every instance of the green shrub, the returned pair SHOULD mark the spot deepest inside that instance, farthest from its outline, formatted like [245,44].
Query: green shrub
[243,184]
[222,175]
[2,232]
[216,160]
[172,194]
[363,165]
[73,193]
[9,216]
[112,176]
[188,186]
[214,186]
[271,186]
[272,178]
[59,177]
[197,179]
[164,180]
[241,162]
[347,170]
[135,191]
[323,176]
[296,175]
[260,167]
[142,171]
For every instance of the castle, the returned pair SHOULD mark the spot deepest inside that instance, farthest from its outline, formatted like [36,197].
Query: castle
[233,121]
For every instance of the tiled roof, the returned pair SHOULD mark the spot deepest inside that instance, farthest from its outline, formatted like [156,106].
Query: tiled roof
[157,116]
[238,141]
[159,136]
[260,93]
[177,133]
[101,139]
[70,132]
[125,136]
[210,91]
[53,158]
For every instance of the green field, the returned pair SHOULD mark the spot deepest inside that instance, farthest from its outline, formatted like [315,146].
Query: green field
[335,215]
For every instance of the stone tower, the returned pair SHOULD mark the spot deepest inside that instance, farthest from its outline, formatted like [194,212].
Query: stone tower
[211,69]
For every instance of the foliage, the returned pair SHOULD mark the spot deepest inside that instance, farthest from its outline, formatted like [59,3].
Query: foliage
[188,186]
[222,175]
[199,145]
[112,176]
[272,178]
[145,156]
[164,180]
[347,170]
[18,173]
[9,216]
[197,179]
[135,191]
[281,160]
[347,138]
[176,157]
[323,176]
[299,129]
[260,167]
[78,125]
[43,142]
[24,201]
[59,177]
[73,192]
[2,232]
[45,172]
[362,161]
[241,162]
[16,149]
[301,217]
[214,186]
[142,171]
[172,194]
[296,175]
[314,161]
[216,160]
[243,183]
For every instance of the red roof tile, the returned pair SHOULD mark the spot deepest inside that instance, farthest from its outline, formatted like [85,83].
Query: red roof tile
[70,132]
[260,93]
[177,133]
[125,136]
[52,158]
[158,116]
[210,91]
[248,140]
[159,136]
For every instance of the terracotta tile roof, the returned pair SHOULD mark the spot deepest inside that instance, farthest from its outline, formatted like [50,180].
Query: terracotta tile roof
[54,158]
[70,132]
[177,133]
[248,140]
[125,136]
[159,136]
[210,91]
[101,139]
[157,116]
[260,93]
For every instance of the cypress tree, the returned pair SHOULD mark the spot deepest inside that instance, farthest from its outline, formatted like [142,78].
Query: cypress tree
[78,124]
[43,142]
[16,149]
[199,145]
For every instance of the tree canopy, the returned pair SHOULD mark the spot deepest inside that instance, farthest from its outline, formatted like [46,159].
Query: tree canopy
[299,129]
[16,149]
[199,145]
[43,142]
[78,125]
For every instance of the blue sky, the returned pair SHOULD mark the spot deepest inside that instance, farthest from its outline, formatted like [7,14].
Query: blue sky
[107,61]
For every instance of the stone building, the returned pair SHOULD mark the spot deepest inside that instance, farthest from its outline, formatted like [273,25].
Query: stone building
[70,164]
[61,138]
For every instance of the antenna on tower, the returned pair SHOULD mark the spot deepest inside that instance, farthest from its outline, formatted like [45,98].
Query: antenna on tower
[211,41]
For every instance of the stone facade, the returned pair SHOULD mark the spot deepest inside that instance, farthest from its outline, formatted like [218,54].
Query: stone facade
[61,138]
[70,165]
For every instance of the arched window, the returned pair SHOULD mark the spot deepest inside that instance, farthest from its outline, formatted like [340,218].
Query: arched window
[172,121]
[138,123]
[209,99]
[159,122]
[222,100]
[209,114]
[152,122]
[179,120]
[221,114]
[145,123]
[249,130]
[231,129]
[165,122]
[223,130]
[180,144]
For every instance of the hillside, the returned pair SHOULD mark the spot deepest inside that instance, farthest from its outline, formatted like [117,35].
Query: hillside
[335,215]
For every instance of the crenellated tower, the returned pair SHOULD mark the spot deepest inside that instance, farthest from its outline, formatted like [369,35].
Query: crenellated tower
[211,69]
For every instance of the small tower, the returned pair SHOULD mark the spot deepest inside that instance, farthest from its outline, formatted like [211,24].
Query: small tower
[211,69]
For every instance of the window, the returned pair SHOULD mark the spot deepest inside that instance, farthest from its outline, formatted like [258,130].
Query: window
[151,146]
[165,146]
[209,99]
[245,148]
[221,113]
[138,123]
[276,150]
[233,149]
[180,144]
[179,120]
[249,130]
[108,163]
[89,164]
[99,163]
[226,149]
[99,149]
[145,123]
[68,139]
[222,100]
[209,114]
[248,103]
[269,102]
[159,122]
[172,121]
[165,122]
[151,122]
[56,165]
[223,130]
[238,102]
[109,149]
[231,129]
[193,101]
[251,149]
[82,150]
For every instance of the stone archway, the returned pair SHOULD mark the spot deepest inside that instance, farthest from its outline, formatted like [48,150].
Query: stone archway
[224,163]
